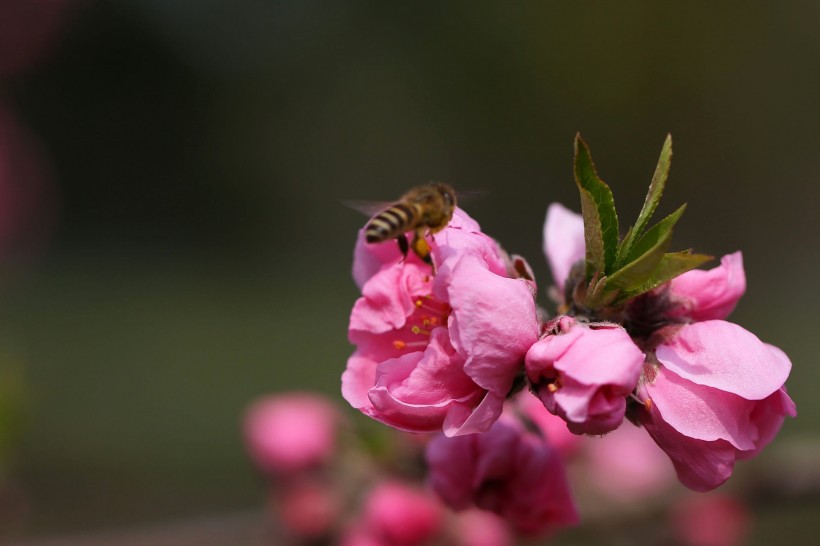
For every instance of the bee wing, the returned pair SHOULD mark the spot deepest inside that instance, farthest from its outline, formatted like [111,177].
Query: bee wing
[368,208]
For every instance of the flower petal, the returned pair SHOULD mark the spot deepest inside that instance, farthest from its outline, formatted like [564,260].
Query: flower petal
[724,356]
[493,324]
[702,412]
[713,294]
[700,465]
[564,241]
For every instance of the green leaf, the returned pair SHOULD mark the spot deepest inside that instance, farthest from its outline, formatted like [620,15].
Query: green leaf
[659,232]
[670,266]
[598,210]
[653,196]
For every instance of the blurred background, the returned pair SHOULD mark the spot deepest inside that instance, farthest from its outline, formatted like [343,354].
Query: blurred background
[173,237]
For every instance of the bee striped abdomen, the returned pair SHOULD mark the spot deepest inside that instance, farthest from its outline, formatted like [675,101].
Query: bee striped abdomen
[391,223]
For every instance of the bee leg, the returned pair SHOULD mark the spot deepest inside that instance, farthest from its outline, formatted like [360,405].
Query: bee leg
[404,246]
[422,249]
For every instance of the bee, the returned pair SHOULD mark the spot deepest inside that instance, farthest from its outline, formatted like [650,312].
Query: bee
[424,209]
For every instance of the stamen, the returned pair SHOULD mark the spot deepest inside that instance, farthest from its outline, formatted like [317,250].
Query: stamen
[648,404]
[400,345]
[417,330]
[552,387]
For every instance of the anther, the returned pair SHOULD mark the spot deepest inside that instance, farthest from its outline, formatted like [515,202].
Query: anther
[399,344]
[417,330]
[552,387]
[648,404]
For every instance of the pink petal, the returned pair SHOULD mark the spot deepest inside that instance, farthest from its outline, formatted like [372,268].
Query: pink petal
[369,258]
[701,412]
[493,323]
[712,294]
[700,465]
[357,379]
[463,419]
[563,241]
[768,416]
[724,356]
[388,298]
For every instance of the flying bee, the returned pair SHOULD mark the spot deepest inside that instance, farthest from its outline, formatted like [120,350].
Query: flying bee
[424,209]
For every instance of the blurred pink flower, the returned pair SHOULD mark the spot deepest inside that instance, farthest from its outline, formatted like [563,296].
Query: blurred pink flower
[397,514]
[27,29]
[583,373]
[438,351]
[716,395]
[506,470]
[711,520]
[553,428]
[627,466]
[291,432]
[308,510]
[26,192]
[480,528]
[564,243]
[707,295]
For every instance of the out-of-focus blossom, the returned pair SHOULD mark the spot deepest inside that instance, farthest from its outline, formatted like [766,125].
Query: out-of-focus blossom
[716,395]
[553,428]
[506,470]
[480,528]
[438,348]
[583,373]
[26,193]
[397,514]
[563,241]
[707,295]
[627,466]
[291,432]
[27,29]
[308,510]
[711,520]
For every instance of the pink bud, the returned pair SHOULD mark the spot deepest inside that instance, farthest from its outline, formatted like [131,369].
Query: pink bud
[584,373]
[291,432]
[401,515]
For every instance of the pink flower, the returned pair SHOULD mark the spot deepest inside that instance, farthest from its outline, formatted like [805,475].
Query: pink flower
[583,373]
[479,528]
[627,466]
[552,428]
[291,432]
[438,350]
[507,471]
[706,295]
[563,241]
[716,395]
[711,520]
[400,515]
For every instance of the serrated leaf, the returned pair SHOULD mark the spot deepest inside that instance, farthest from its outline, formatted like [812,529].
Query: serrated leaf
[653,197]
[669,267]
[598,210]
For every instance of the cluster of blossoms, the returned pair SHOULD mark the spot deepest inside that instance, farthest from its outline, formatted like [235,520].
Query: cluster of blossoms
[638,334]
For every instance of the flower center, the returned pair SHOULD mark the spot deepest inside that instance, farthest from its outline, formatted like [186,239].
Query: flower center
[430,313]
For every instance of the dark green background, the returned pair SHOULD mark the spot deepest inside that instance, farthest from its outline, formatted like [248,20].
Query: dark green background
[203,149]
